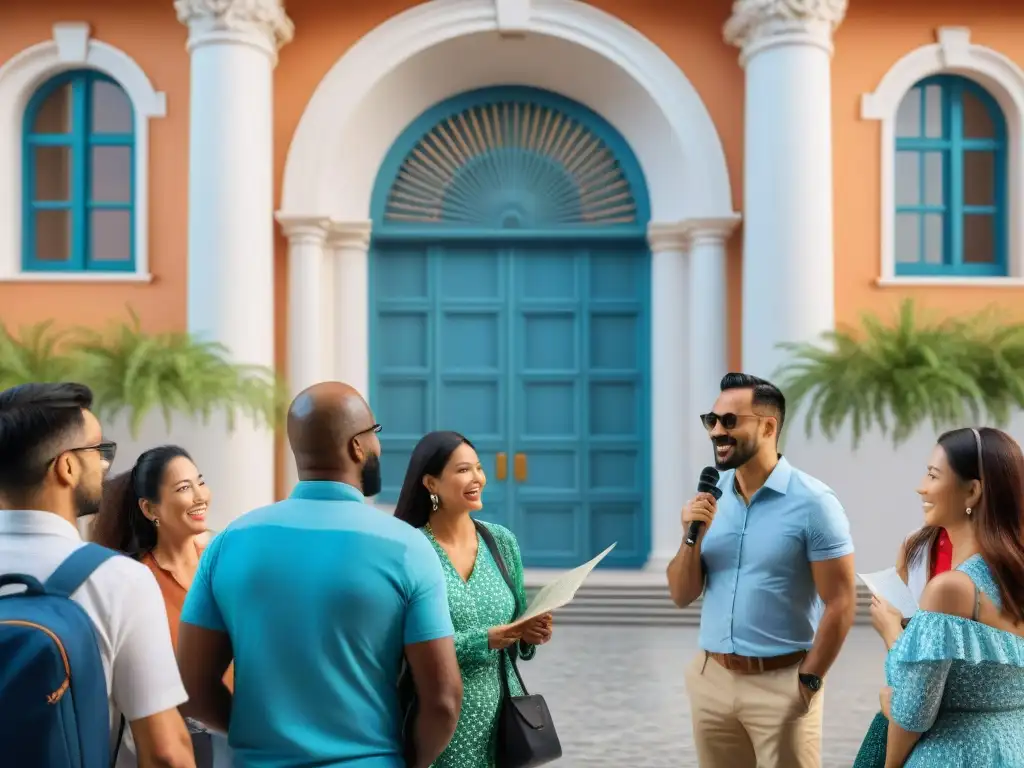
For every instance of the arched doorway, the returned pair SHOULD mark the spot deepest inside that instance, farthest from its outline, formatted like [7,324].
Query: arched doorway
[510,300]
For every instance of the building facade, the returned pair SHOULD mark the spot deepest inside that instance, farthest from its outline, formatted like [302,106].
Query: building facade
[549,224]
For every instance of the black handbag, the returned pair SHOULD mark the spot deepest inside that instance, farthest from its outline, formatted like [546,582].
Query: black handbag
[526,732]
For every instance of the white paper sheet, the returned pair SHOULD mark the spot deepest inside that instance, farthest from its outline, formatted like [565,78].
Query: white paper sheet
[562,590]
[889,586]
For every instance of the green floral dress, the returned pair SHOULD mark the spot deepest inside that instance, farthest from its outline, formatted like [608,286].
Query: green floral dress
[477,604]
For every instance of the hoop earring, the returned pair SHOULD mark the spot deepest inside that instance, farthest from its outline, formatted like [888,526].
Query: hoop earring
[433,502]
[968,511]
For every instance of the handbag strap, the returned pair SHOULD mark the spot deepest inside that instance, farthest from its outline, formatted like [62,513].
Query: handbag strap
[506,655]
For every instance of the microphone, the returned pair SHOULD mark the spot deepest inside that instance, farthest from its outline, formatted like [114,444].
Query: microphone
[708,483]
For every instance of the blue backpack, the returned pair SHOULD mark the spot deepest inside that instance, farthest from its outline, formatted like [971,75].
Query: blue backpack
[54,710]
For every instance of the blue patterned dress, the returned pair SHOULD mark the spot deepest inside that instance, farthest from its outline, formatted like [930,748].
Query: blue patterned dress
[961,684]
[477,604]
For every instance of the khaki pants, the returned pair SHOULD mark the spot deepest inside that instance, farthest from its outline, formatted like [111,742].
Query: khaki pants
[752,721]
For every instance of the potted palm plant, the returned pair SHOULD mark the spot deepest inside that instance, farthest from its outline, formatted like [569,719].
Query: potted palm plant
[133,373]
[896,376]
[38,353]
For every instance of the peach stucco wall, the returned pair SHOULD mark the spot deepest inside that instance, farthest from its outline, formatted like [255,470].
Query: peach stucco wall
[149,33]
[875,34]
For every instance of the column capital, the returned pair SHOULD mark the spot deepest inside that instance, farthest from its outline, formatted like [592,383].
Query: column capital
[758,24]
[680,236]
[667,237]
[350,234]
[716,230]
[304,230]
[262,23]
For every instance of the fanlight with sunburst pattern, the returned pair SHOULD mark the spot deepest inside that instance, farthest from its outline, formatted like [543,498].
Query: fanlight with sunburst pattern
[511,165]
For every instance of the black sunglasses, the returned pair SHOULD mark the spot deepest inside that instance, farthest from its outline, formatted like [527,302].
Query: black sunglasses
[727,420]
[107,451]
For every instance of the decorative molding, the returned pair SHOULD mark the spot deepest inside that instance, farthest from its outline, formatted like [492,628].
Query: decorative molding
[513,17]
[656,89]
[681,236]
[952,52]
[72,39]
[666,237]
[715,230]
[72,47]
[950,282]
[304,230]
[263,23]
[759,24]
[350,235]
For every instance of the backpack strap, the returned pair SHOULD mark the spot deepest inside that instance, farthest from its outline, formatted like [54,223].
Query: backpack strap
[78,567]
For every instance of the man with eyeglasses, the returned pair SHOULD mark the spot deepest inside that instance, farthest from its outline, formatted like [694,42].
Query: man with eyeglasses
[53,459]
[318,598]
[771,551]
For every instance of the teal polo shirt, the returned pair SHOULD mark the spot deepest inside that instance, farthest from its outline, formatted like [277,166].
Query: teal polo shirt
[759,594]
[319,594]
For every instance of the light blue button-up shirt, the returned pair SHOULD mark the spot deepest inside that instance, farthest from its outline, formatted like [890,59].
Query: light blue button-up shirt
[759,594]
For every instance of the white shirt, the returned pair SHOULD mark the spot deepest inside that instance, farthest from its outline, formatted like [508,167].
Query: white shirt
[124,602]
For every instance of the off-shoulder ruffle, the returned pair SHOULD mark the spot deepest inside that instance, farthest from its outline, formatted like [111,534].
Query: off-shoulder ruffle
[934,636]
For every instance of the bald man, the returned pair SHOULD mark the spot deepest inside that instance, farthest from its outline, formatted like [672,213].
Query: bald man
[317,599]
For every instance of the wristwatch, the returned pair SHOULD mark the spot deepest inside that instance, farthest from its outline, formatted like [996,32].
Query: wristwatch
[812,682]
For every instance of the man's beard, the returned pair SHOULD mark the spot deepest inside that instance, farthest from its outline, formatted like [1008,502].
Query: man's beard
[86,502]
[741,453]
[370,478]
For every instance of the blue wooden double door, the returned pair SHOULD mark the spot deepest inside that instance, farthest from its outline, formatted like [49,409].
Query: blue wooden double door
[539,354]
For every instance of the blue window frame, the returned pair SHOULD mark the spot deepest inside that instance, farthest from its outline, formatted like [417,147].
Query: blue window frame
[78,176]
[950,177]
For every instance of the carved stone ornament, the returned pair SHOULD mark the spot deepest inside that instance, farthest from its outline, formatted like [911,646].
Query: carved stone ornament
[754,20]
[267,16]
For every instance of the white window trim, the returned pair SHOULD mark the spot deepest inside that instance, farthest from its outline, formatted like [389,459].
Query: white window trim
[952,54]
[20,77]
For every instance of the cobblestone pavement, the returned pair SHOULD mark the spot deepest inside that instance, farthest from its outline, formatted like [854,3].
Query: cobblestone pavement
[618,698]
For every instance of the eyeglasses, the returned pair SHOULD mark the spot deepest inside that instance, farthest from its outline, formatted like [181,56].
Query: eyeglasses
[727,420]
[107,451]
[376,428]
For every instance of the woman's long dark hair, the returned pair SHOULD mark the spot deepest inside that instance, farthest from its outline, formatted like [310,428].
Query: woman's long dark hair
[999,518]
[429,457]
[120,523]
[920,544]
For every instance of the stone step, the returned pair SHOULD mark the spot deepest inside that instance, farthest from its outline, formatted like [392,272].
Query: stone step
[646,604]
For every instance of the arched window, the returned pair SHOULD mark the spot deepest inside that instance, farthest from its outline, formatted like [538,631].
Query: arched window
[78,176]
[950,179]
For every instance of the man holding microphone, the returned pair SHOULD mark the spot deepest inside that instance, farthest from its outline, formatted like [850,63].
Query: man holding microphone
[769,553]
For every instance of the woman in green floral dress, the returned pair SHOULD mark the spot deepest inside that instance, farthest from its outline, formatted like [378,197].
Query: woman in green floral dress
[443,486]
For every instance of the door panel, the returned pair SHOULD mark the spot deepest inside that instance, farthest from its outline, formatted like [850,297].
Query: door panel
[580,373]
[439,322]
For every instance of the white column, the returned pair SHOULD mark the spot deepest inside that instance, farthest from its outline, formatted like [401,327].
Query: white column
[306,343]
[788,291]
[350,242]
[708,326]
[233,46]
[670,387]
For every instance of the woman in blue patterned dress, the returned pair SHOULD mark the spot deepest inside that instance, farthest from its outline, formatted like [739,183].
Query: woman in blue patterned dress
[443,486]
[955,697]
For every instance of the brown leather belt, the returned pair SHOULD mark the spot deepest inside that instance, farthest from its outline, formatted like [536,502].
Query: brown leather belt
[752,665]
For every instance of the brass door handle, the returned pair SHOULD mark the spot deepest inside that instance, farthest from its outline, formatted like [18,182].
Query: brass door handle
[501,465]
[519,468]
